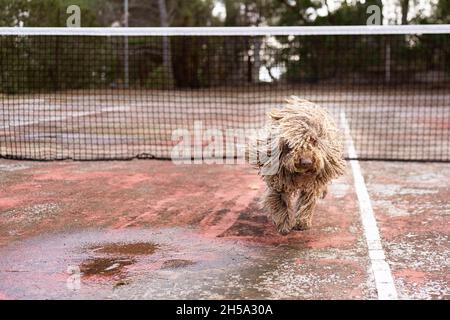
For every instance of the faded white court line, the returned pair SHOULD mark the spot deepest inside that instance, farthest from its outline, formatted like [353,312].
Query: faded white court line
[62,118]
[382,272]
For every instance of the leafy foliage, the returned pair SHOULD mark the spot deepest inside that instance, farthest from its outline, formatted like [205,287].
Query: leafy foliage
[75,62]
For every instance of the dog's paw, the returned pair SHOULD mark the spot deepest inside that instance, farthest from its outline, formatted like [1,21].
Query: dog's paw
[284,231]
[302,225]
[284,228]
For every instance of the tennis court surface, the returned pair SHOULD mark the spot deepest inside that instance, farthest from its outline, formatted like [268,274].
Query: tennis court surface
[148,228]
[151,229]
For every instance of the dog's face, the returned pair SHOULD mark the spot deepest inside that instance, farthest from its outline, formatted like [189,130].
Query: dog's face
[308,140]
[306,158]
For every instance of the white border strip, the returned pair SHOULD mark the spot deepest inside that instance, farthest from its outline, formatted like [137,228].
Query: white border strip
[232,31]
[380,268]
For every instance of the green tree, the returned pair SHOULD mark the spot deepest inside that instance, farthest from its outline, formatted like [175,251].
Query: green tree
[442,12]
[311,59]
[43,13]
[29,63]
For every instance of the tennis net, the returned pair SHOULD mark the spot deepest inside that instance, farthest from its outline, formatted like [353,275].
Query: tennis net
[110,93]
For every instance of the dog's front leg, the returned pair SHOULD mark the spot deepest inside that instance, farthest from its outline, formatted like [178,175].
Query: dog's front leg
[278,205]
[304,209]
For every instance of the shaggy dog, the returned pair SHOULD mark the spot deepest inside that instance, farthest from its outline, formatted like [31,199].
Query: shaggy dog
[302,153]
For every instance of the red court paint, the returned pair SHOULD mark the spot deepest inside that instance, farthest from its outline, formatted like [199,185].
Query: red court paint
[208,221]
[214,221]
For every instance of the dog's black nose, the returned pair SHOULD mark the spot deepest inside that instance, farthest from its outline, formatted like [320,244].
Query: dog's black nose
[306,162]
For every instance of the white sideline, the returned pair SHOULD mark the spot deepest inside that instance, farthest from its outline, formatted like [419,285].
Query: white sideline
[382,272]
[231,31]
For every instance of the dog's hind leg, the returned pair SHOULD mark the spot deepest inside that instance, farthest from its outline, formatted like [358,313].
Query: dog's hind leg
[304,210]
[278,205]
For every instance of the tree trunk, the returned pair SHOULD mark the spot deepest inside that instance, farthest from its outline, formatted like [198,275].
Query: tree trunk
[388,62]
[235,59]
[126,52]
[256,59]
[405,10]
[166,50]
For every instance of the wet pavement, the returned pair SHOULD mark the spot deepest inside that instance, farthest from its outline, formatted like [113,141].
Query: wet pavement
[413,211]
[154,230]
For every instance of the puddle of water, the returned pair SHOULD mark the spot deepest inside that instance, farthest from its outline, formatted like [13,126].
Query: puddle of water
[118,256]
[104,266]
[132,263]
[127,249]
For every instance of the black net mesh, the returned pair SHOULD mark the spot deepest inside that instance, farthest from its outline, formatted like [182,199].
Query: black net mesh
[117,97]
